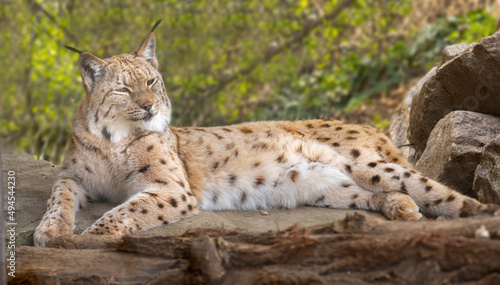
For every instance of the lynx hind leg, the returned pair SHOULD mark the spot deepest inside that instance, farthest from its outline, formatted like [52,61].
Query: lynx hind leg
[400,207]
[345,192]
[394,205]
[433,198]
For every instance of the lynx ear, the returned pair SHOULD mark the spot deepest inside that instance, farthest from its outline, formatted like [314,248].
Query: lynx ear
[91,67]
[147,48]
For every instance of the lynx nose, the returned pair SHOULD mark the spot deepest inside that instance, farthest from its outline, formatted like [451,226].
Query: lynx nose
[147,106]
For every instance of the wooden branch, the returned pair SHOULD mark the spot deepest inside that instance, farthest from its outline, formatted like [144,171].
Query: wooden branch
[206,260]
[439,258]
[370,225]
[370,249]
[178,246]
[83,242]
[37,265]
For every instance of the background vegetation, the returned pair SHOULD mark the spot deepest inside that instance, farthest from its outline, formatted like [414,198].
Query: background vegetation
[223,61]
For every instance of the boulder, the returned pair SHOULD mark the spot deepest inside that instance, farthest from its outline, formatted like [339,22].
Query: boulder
[429,106]
[401,119]
[454,148]
[487,176]
[33,179]
[451,51]
[469,80]
[473,79]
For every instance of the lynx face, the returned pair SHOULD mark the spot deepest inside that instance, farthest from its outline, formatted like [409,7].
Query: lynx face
[127,92]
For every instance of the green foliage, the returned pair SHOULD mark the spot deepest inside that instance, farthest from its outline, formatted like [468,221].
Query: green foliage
[223,61]
[430,41]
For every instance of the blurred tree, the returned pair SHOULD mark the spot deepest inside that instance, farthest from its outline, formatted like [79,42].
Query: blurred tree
[223,61]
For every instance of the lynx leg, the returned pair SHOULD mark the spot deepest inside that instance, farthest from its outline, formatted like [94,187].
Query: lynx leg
[400,207]
[344,191]
[394,205]
[66,198]
[433,198]
[147,209]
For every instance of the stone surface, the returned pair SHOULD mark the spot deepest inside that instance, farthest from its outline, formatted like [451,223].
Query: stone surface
[468,81]
[487,176]
[34,180]
[452,51]
[401,119]
[428,107]
[454,148]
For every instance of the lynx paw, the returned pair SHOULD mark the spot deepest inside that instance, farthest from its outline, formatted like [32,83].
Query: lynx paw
[42,237]
[48,230]
[474,208]
[401,207]
[97,229]
[107,226]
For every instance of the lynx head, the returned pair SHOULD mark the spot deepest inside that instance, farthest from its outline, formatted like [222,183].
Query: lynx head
[125,94]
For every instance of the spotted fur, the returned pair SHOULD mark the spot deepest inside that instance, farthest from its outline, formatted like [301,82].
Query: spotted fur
[123,150]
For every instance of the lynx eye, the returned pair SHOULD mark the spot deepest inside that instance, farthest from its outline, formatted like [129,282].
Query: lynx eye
[150,81]
[124,90]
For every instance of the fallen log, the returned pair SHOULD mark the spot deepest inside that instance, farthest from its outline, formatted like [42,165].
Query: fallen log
[37,265]
[176,246]
[419,258]
[356,250]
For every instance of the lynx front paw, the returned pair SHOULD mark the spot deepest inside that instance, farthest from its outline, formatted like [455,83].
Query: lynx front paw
[97,229]
[401,207]
[108,226]
[42,236]
[47,230]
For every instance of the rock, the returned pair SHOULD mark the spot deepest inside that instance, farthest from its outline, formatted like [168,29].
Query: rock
[469,81]
[487,176]
[472,80]
[452,51]
[34,180]
[454,148]
[401,119]
[429,106]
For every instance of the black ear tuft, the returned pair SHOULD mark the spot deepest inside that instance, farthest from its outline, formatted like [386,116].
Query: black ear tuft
[155,26]
[74,49]
[148,46]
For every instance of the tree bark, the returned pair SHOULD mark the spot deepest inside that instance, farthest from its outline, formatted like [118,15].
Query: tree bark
[356,250]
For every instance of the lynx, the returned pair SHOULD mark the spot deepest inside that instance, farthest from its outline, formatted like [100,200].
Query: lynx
[123,149]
